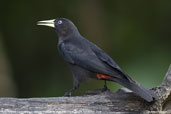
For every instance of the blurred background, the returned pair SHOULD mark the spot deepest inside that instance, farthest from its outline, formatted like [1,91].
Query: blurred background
[136,34]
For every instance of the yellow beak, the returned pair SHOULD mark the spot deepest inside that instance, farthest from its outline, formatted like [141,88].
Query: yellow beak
[49,23]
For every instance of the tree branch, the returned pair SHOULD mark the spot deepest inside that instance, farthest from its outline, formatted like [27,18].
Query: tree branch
[123,102]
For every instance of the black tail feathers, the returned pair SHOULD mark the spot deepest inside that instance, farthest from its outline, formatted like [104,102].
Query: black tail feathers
[146,94]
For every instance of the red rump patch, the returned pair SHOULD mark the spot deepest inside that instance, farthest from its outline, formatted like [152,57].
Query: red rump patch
[102,76]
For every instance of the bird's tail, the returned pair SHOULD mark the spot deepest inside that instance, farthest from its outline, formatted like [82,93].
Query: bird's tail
[146,94]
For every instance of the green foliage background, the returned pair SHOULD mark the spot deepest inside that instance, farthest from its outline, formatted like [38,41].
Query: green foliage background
[136,34]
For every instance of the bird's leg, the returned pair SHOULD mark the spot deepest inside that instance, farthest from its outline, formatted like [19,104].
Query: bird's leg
[97,91]
[105,86]
[68,93]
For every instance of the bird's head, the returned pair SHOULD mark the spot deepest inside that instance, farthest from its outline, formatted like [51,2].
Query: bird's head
[62,26]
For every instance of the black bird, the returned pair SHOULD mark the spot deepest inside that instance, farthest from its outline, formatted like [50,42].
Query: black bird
[86,60]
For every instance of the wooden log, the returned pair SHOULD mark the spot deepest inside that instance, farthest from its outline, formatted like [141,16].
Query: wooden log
[121,102]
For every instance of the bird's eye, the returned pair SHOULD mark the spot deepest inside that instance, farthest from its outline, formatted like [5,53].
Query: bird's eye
[60,22]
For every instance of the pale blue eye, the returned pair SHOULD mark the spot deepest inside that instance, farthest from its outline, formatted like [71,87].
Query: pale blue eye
[60,22]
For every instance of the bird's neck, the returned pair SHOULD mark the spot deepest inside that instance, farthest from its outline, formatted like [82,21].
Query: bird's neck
[70,35]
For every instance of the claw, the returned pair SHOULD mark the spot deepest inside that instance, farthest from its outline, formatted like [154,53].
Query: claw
[67,94]
[96,91]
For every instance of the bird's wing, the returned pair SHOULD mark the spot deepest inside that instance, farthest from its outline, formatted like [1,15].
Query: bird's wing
[106,59]
[103,56]
[85,58]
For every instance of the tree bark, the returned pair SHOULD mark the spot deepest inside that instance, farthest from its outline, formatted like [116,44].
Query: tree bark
[121,102]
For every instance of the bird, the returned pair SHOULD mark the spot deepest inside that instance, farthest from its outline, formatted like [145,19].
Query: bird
[87,61]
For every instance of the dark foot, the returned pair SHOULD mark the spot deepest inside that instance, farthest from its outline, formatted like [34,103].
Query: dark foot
[96,91]
[67,94]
